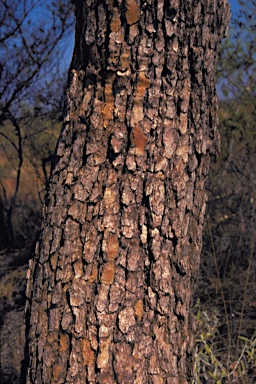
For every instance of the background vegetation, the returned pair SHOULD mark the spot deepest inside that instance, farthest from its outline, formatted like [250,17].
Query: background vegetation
[33,67]
[226,296]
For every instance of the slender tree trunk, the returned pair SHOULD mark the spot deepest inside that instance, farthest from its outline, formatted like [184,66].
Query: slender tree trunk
[111,285]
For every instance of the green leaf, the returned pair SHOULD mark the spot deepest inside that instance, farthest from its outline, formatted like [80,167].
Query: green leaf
[213,376]
[207,348]
[244,339]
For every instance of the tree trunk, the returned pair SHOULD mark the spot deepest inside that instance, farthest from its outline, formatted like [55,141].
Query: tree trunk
[111,285]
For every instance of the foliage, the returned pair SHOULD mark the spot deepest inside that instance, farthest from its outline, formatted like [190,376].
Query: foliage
[217,360]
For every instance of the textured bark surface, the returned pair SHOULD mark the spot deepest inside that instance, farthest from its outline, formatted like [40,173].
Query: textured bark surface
[111,284]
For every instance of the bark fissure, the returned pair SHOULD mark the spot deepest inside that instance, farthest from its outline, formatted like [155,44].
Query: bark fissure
[110,288]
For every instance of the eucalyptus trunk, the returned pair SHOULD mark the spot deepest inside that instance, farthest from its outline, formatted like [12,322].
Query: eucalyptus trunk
[110,288]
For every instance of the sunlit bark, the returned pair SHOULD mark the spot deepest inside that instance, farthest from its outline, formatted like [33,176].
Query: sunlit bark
[110,288]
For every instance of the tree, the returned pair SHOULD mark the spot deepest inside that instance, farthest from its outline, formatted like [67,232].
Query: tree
[29,50]
[111,285]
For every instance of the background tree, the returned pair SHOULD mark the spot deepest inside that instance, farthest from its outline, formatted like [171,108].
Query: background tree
[31,34]
[111,285]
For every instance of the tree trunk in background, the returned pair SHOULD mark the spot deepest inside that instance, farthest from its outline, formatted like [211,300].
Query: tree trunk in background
[110,288]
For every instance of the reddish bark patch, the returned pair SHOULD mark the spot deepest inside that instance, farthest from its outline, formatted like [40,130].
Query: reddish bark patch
[87,352]
[138,307]
[57,372]
[115,23]
[139,139]
[64,342]
[143,84]
[112,246]
[108,273]
[132,12]
[94,274]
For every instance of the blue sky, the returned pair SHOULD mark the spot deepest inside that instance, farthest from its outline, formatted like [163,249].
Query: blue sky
[234,5]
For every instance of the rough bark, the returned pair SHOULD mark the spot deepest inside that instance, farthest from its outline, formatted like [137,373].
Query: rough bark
[111,285]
